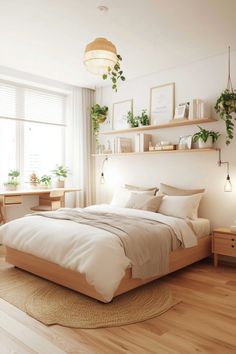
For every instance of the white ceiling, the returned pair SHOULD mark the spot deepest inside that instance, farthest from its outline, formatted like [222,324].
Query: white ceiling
[48,37]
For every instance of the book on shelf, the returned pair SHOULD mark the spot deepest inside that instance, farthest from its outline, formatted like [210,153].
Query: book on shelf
[142,142]
[123,145]
[199,109]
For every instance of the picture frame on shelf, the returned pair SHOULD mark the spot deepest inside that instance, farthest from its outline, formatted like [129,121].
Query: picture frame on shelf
[182,111]
[119,114]
[162,103]
[185,142]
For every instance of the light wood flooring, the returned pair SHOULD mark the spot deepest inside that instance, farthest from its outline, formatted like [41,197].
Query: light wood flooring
[204,322]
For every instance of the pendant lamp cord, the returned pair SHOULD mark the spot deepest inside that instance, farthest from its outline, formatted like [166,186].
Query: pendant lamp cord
[229,84]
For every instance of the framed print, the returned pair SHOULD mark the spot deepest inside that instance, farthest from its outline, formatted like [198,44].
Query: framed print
[182,111]
[185,142]
[162,103]
[119,114]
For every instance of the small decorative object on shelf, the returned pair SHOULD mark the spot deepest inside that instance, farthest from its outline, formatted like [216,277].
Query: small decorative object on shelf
[185,142]
[142,142]
[163,146]
[34,180]
[182,111]
[108,149]
[123,145]
[226,106]
[12,183]
[205,138]
[61,173]
[198,109]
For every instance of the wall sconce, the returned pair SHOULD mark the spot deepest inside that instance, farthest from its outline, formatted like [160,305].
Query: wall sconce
[102,178]
[228,185]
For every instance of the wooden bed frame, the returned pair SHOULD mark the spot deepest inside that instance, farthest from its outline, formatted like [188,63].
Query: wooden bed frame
[76,281]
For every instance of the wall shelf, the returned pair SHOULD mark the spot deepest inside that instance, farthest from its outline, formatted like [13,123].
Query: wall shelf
[173,123]
[157,152]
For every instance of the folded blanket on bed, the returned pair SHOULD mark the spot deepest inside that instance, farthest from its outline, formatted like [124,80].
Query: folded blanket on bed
[147,243]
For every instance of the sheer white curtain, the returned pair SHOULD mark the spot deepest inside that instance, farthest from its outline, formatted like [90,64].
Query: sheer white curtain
[83,174]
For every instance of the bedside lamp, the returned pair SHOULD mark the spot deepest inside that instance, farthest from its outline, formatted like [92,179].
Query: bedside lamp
[228,184]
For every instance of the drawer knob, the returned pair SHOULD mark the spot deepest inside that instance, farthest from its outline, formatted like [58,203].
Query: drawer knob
[232,246]
[232,239]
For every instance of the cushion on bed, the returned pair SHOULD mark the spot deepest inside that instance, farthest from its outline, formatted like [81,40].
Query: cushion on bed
[122,196]
[144,202]
[138,188]
[170,190]
[185,207]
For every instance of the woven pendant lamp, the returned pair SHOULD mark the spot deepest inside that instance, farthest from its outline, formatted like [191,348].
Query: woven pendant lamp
[99,55]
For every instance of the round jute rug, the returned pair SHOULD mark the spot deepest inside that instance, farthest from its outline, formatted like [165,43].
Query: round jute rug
[53,304]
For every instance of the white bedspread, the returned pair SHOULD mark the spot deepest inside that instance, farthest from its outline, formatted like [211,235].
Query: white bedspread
[73,246]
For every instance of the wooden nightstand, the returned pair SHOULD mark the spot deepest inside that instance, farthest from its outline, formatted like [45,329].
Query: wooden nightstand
[223,243]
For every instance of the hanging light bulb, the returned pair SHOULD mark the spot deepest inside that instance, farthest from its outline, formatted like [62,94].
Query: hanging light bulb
[102,178]
[228,185]
[99,55]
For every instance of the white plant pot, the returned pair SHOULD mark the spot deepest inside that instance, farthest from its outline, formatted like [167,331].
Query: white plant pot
[207,145]
[60,184]
[10,187]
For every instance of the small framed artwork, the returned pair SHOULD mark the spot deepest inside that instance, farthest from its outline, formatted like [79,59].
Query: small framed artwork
[162,103]
[182,111]
[185,142]
[119,114]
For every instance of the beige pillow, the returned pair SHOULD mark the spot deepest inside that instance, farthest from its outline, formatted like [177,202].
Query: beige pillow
[184,206]
[138,188]
[144,202]
[122,196]
[170,190]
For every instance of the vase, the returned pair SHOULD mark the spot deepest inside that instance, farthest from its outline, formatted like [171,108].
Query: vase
[205,145]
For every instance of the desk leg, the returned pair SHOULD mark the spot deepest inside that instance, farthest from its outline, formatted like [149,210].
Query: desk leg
[2,215]
[216,259]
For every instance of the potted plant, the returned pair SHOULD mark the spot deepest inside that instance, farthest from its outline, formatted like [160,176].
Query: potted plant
[61,173]
[12,183]
[98,115]
[205,138]
[144,118]
[45,181]
[132,120]
[226,107]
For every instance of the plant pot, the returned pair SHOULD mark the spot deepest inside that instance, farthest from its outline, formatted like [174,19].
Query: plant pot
[101,118]
[10,187]
[60,184]
[44,186]
[205,145]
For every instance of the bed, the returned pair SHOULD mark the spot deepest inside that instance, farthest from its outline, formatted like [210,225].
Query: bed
[96,266]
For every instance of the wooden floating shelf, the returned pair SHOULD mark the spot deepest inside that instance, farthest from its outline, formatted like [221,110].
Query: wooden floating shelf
[157,152]
[173,123]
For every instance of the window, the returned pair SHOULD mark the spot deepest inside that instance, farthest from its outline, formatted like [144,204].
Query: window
[32,130]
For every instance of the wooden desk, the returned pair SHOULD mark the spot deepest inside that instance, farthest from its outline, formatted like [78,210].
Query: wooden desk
[49,199]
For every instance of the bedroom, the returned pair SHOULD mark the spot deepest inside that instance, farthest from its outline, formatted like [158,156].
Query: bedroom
[47,91]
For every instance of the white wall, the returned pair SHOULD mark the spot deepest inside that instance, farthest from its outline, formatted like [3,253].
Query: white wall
[204,79]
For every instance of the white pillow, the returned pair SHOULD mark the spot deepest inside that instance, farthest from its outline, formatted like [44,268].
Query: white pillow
[122,196]
[181,206]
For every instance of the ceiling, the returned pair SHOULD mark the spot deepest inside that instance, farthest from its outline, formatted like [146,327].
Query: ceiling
[48,37]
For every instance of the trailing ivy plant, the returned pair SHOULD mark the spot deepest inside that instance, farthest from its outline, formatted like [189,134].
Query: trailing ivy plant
[114,74]
[98,115]
[226,106]
[204,134]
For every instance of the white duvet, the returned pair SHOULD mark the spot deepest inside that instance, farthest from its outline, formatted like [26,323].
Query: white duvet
[101,259]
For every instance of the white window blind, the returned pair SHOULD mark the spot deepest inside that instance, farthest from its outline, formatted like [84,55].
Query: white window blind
[7,100]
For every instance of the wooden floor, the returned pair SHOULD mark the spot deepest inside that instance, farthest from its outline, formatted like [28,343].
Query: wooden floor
[204,322]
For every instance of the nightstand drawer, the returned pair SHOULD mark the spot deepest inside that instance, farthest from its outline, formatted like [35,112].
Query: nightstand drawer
[13,199]
[231,237]
[225,246]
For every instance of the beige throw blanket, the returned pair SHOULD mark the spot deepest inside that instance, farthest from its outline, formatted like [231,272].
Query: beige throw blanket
[147,243]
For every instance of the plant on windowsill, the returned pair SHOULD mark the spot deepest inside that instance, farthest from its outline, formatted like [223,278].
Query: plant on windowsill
[12,183]
[61,173]
[45,181]
[205,138]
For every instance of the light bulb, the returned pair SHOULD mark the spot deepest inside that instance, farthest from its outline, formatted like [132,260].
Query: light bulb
[102,179]
[228,185]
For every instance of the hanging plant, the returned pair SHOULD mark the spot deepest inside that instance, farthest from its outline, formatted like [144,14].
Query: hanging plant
[226,106]
[114,74]
[98,115]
